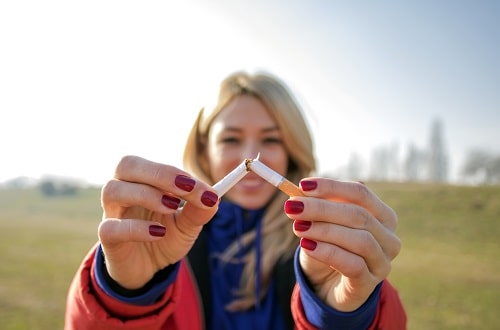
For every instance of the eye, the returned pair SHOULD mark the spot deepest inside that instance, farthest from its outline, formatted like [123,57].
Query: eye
[272,140]
[230,140]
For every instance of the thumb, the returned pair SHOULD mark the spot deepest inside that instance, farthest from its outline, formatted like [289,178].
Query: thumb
[114,231]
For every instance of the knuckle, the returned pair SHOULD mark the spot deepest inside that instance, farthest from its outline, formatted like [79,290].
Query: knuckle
[332,254]
[394,215]
[383,270]
[393,218]
[396,248]
[366,218]
[328,185]
[357,267]
[157,173]
[104,230]
[125,162]
[362,191]
[109,191]
[368,244]
[321,208]
[363,219]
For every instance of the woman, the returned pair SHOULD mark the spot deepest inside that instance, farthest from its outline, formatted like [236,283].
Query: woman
[172,255]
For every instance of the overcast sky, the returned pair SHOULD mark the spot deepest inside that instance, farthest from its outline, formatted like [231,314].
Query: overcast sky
[84,83]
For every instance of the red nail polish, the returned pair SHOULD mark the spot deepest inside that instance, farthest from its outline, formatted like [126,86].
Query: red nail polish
[158,231]
[185,183]
[209,198]
[308,244]
[301,225]
[294,207]
[171,202]
[308,185]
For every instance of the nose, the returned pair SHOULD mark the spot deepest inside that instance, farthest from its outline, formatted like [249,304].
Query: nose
[250,151]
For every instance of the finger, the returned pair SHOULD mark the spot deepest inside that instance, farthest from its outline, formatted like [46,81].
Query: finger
[114,231]
[342,214]
[197,212]
[357,282]
[350,192]
[117,195]
[345,262]
[164,177]
[358,242]
[167,179]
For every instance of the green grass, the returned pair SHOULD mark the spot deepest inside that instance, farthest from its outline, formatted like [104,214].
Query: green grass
[42,242]
[448,272]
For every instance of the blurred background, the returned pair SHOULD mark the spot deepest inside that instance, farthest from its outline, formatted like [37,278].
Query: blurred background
[386,86]
[404,95]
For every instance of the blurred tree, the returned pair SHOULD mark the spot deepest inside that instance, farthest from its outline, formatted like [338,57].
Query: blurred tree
[437,157]
[393,163]
[385,163]
[413,163]
[48,188]
[354,167]
[379,169]
[58,187]
[481,165]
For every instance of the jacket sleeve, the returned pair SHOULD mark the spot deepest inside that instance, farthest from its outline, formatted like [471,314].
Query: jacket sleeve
[390,313]
[89,307]
[382,310]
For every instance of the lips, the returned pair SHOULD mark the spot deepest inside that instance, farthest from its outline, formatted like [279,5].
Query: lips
[251,181]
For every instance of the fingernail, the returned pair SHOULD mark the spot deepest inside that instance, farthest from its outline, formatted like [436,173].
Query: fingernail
[184,182]
[170,202]
[294,207]
[308,244]
[158,231]
[209,198]
[308,185]
[301,225]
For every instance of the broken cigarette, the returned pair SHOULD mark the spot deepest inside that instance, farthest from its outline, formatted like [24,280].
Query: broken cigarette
[231,179]
[255,165]
[273,177]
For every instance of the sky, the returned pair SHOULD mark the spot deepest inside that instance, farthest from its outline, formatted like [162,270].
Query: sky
[83,83]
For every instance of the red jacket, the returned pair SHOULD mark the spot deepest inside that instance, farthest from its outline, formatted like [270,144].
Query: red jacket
[88,307]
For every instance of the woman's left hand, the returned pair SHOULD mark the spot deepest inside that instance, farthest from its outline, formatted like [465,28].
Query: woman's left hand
[347,238]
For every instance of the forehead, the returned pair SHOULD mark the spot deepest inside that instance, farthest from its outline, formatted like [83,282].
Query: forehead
[244,111]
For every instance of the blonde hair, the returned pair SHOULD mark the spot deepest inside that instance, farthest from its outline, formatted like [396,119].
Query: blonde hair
[278,240]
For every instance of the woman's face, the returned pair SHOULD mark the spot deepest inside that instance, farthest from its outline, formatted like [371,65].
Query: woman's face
[243,129]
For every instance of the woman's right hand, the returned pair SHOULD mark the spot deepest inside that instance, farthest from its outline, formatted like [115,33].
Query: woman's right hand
[144,229]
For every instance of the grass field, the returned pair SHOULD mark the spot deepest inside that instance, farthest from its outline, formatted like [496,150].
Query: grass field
[448,272]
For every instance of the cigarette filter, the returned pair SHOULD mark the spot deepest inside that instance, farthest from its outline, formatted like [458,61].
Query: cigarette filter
[274,178]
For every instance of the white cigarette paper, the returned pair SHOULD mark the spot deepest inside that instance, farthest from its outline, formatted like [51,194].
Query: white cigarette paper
[231,179]
[274,178]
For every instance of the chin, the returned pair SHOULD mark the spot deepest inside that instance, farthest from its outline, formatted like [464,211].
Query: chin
[249,202]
